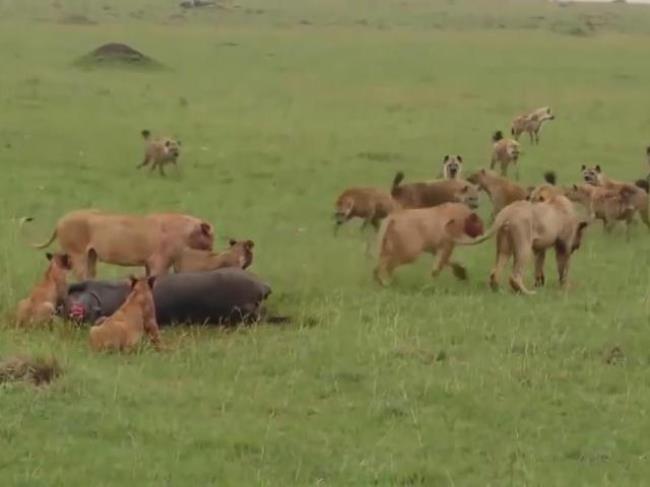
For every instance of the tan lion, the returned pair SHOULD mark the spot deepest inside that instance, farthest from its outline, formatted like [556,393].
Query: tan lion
[501,191]
[238,254]
[505,152]
[124,329]
[154,241]
[406,234]
[531,123]
[40,306]
[160,151]
[433,193]
[524,229]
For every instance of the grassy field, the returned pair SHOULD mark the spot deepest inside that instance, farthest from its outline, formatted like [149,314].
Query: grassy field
[280,105]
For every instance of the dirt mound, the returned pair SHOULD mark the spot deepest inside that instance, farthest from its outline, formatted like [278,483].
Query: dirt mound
[116,54]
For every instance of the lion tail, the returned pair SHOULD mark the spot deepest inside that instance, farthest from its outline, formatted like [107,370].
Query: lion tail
[498,224]
[41,245]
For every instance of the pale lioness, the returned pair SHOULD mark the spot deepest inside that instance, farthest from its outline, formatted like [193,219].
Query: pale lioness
[531,123]
[160,151]
[433,193]
[154,241]
[524,228]
[505,152]
[406,234]
[239,254]
[501,191]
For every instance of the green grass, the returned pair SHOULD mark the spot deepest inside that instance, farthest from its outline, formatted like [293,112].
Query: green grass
[281,105]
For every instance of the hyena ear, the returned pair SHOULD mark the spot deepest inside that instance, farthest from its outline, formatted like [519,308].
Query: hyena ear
[598,168]
[249,244]
[151,280]
[446,158]
[48,255]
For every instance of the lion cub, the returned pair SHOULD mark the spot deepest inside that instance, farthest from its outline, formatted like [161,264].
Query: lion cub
[124,329]
[239,254]
[160,151]
[41,304]
[505,152]
[406,234]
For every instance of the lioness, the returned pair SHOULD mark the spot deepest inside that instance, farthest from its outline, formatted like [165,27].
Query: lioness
[504,152]
[637,192]
[433,193]
[531,123]
[501,190]
[405,234]
[239,254]
[124,329]
[160,151]
[154,241]
[524,228]
[608,205]
[452,167]
[40,306]
[372,205]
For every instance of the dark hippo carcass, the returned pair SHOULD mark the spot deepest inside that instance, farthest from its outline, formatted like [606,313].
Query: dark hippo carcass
[224,296]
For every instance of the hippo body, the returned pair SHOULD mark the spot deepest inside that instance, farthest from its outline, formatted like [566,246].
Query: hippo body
[224,296]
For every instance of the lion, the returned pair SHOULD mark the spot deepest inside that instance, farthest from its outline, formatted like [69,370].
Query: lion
[452,167]
[124,329]
[608,205]
[154,241]
[433,193]
[405,234]
[505,152]
[524,229]
[531,123]
[239,254]
[501,190]
[40,306]
[160,151]
[637,193]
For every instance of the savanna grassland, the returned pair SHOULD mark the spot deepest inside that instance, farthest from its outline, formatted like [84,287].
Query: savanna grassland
[280,105]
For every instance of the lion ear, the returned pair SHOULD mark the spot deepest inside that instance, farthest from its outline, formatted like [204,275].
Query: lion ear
[446,158]
[575,187]
[250,244]
[48,255]
[206,229]
[151,280]
[583,168]
[598,168]
[460,159]
[133,281]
